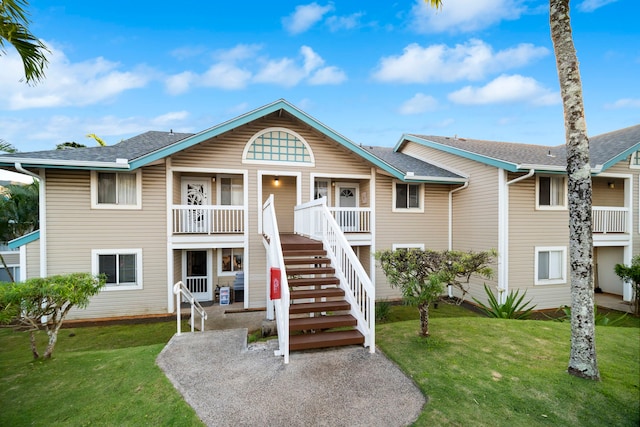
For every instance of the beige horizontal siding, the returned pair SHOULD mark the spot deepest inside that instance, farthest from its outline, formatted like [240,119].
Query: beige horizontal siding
[225,152]
[74,230]
[33,259]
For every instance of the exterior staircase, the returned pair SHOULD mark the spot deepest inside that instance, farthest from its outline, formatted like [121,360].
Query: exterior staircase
[319,314]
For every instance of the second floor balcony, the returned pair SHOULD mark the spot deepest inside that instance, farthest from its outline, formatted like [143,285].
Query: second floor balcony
[208,219]
[609,220]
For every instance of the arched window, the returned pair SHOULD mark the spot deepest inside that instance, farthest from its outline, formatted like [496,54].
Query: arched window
[278,145]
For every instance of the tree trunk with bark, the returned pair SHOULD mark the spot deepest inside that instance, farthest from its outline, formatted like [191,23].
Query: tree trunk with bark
[423,308]
[582,360]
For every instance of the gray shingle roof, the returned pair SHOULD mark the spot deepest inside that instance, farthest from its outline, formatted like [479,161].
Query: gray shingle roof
[405,163]
[603,148]
[129,149]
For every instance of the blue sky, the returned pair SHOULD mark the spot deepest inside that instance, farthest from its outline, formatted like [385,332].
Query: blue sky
[370,70]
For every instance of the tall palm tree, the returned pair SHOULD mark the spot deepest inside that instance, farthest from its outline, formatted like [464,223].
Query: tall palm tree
[582,358]
[7,147]
[14,30]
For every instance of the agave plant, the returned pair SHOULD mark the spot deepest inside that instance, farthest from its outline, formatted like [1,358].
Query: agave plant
[514,306]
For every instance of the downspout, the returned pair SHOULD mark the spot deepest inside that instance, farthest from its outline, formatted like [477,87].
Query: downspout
[503,240]
[450,247]
[42,217]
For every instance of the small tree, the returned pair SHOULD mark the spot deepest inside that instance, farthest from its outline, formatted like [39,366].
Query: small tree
[46,302]
[632,274]
[422,275]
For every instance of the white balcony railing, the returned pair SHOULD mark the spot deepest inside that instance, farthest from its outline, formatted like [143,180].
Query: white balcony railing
[610,220]
[352,220]
[208,219]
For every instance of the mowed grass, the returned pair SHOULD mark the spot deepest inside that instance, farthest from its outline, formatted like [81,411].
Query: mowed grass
[101,376]
[477,371]
[474,371]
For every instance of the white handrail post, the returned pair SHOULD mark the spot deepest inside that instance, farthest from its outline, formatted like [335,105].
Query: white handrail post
[178,311]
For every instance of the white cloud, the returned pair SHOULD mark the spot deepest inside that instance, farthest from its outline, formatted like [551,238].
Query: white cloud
[591,5]
[238,67]
[225,76]
[287,72]
[328,76]
[460,16]
[439,63]
[43,133]
[624,103]
[180,83]
[506,89]
[419,103]
[348,22]
[304,17]
[67,83]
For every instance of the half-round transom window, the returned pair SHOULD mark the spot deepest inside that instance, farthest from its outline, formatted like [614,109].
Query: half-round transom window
[278,145]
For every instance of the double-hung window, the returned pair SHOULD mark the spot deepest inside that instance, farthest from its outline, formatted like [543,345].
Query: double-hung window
[116,190]
[551,265]
[407,197]
[551,192]
[231,191]
[121,267]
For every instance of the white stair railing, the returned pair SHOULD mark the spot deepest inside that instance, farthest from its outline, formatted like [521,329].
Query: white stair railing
[313,219]
[275,259]
[180,291]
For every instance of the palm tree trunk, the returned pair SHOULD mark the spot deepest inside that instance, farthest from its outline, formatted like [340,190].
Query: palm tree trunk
[9,273]
[582,360]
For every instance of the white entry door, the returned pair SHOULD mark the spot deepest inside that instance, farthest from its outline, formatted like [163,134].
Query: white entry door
[347,197]
[195,192]
[197,267]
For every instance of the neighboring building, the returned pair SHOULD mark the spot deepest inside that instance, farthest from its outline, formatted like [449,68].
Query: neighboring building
[163,207]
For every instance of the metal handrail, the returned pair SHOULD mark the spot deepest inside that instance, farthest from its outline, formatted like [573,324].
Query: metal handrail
[179,289]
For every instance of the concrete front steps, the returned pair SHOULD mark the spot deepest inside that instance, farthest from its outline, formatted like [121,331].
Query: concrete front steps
[319,313]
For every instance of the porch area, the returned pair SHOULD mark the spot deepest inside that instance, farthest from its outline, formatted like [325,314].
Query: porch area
[613,302]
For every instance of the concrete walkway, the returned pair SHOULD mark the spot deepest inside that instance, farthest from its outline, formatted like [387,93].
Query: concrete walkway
[231,384]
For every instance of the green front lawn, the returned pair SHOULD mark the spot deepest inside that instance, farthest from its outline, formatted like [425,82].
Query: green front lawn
[474,371]
[104,375]
[477,371]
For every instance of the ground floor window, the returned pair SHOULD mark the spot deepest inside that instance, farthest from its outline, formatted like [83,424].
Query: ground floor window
[230,261]
[122,267]
[6,277]
[551,265]
[397,246]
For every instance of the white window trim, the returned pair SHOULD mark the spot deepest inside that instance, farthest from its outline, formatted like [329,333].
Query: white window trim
[562,207]
[95,267]
[219,259]
[407,210]
[312,160]
[397,246]
[94,193]
[563,279]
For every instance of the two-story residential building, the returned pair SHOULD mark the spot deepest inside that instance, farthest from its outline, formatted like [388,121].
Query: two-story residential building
[164,207]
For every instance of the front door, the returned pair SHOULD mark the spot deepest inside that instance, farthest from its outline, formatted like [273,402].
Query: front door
[197,277]
[195,192]
[347,197]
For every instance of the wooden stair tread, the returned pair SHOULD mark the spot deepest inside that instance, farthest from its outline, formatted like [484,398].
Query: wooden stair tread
[310,270]
[317,307]
[316,293]
[287,253]
[313,281]
[325,339]
[307,261]
[322,322]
